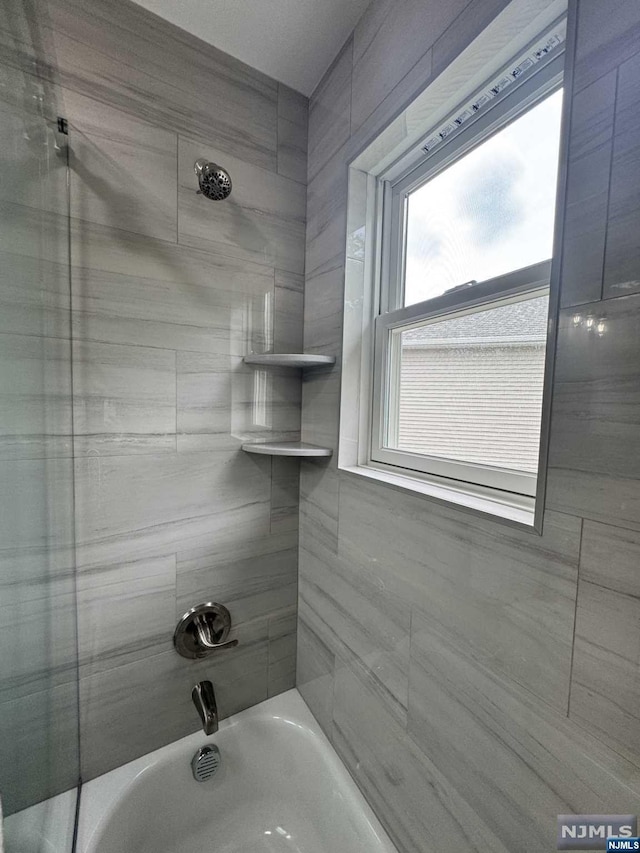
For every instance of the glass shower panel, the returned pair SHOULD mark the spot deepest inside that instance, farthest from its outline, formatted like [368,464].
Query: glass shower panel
[39,754]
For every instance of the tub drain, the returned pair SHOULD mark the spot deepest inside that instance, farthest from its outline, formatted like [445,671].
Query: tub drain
[205,762]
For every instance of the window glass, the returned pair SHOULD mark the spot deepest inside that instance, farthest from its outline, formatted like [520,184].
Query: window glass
[470,387]
[490,212]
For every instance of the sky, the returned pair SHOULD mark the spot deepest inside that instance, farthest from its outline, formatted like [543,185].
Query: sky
[489,213]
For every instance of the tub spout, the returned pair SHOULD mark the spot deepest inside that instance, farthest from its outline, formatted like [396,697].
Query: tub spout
[204,699]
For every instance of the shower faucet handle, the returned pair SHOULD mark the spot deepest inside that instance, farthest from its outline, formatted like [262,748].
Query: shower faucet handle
[203,631]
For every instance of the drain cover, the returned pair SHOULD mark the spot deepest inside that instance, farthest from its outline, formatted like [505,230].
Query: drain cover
[205,762]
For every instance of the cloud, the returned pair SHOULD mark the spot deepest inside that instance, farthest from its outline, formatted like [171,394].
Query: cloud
[490,206]
[490,212]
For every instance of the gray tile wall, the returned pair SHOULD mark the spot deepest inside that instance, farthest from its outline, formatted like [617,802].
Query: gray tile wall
[170,290]
[478,680]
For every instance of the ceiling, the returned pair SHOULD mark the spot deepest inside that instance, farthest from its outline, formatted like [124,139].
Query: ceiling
[293,41]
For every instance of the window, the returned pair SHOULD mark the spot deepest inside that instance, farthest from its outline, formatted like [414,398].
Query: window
[460,336]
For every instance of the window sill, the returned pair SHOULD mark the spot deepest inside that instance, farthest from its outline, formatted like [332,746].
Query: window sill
[515,510]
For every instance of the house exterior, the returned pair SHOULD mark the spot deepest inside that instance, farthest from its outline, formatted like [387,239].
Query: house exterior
[472,393]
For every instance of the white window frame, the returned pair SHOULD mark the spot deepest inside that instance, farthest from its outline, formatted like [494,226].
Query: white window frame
[393,192]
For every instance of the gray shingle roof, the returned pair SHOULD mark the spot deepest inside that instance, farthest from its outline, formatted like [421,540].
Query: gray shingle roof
[525,320]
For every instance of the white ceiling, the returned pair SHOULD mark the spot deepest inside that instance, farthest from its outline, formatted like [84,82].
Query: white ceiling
[293,41]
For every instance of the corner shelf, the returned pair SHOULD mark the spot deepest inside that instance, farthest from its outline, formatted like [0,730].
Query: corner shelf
[285,359]
[286,448]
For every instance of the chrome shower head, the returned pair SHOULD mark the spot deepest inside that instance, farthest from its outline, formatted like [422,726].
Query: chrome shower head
[214,181]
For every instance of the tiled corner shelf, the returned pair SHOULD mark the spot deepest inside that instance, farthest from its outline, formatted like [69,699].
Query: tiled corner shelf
[286,359]
[286,448]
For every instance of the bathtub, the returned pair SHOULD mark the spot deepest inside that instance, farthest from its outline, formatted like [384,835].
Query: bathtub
[280,787]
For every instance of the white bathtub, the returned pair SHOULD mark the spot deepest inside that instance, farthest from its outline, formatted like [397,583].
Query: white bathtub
[280,787]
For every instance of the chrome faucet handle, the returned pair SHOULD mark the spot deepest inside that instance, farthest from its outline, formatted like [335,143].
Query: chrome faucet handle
[203,630]
[204,698]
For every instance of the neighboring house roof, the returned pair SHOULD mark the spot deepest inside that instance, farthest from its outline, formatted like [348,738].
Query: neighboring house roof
[518,322]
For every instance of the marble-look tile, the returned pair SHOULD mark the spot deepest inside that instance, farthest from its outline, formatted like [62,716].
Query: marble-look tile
[515,761]
[126,612]
[610,558]
[124,399]
[587,198]
[507,594]
[292,150]
[123,173]
[324,306]
[34,233]
[253,577]
[129,289]
[417,804]
[474,18]
[327,217]
[288,315]
[594,450]
[622,261]
[318,504]
[387,125]
[34,296]
[263,220]
[388,41]
[293,106]
[32,169]
[39,755]
[34,272]
[37,636]
[129,507]
[156,72]
[611,498]
[266,404]
[282,651]
[356,609]
[314,673]
[605,685]
[293,111]
[285,494]
[289,280]
[321,399]
[36,521]
[204,399]
[121,253]
[330,111]
[35,397]
[116,726]
[607,36]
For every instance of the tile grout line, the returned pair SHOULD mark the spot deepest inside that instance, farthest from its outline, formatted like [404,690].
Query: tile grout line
[278,129]
[613,140]
[575,619]
[177,188]
[409,667]
[271,498]
[352,69]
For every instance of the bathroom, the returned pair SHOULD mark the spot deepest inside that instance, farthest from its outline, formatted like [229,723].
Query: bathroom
[212,531]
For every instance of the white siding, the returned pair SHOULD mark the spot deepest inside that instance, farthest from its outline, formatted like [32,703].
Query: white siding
[477,404]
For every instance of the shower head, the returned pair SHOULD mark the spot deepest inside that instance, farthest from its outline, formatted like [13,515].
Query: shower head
[214,181]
